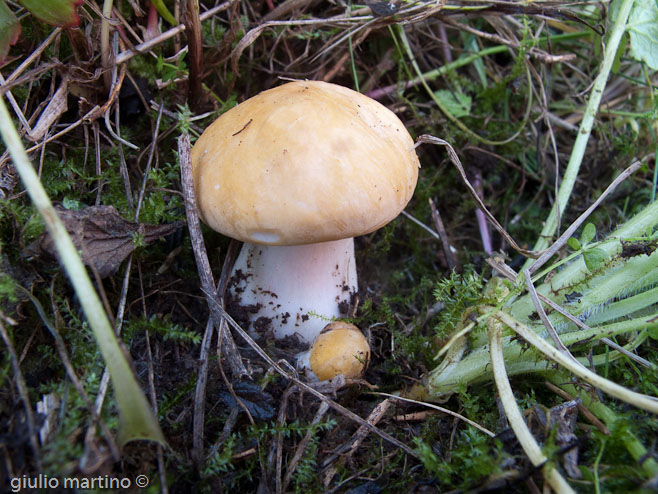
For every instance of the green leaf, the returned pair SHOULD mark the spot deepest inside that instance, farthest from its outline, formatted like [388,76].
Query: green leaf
[573,243]
[588,234]
[9,30]
[594,258]
[643,30]
[164,11]
[458,104]
[62,13]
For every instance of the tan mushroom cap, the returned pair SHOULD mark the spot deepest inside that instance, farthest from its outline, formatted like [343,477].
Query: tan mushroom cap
[302,163]
[340,348]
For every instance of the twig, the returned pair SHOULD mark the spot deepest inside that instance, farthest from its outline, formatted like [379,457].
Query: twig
[581,408]
[162,470]
[422,225]
[346,451]
[429,139]
[149,161]
[542,315]
[533,52]
[483,226]
[222,284]
[205,274]
[70,372]
[193,29]
[15,107]
[550,252]
[276,452]
[25,397]
[105,42]
[198,420]
[116,89]
[301,447]
[451,258]
[34,54]
[440,409]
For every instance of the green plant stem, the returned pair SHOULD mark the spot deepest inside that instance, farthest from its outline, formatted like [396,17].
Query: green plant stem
[580,145]
[462,61]
[474,368]
[637,399]
[514,416]
[136,418]
[595,467]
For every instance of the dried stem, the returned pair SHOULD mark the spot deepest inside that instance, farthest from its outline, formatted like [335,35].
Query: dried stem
[205,274]
[195,50]
[25,397]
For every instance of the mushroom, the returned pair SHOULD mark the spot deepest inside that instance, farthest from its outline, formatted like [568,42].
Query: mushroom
[296,172]
[340,348]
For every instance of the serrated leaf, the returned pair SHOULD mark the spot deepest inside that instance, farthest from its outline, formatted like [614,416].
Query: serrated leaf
[594,258]
[588,234]
[458,104]
[573,243]
[642,28]
[9,30]
[62,13]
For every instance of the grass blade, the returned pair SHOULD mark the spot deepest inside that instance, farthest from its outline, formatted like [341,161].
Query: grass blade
[136,418]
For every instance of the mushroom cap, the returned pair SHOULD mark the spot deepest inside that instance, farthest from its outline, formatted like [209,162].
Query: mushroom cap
[303,163]
[340,348]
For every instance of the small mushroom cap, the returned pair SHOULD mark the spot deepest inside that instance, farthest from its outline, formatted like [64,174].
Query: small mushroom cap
[340,348]
[305,162]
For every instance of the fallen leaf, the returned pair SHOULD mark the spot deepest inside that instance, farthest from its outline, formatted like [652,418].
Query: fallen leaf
[257,401]
[9,30]
[103,238]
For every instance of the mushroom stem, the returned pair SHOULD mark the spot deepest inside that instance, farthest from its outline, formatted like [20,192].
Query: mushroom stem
[294,289]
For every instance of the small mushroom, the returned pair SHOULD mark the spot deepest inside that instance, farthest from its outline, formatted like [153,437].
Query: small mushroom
[340,348]
[296,172]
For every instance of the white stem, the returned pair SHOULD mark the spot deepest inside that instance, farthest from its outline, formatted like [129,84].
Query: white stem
[294,289]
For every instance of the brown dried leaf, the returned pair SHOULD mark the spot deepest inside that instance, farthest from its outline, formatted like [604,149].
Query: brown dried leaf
[103,238]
